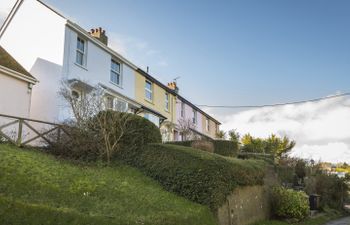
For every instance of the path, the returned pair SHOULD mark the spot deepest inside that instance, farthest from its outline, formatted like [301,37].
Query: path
[343,221]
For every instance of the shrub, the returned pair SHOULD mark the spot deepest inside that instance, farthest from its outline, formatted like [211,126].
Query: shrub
[332,189]
[197,175]
[225,148]
[290,204]
[221,147]
[119,131]
[265,157]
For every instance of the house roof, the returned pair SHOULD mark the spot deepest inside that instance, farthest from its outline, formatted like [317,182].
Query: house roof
[6,60]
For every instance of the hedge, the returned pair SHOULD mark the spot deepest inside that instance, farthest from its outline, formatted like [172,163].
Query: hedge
[221,147]
[225,148]
[196,175]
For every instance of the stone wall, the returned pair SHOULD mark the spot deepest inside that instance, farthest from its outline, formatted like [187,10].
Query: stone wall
[247,205]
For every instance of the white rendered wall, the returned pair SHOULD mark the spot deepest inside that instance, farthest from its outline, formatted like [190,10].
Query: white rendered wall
[188,115]
[97,69]
[35,38]
[14,96]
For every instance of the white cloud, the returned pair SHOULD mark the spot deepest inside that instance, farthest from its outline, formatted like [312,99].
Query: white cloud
[137,50]
[321,129]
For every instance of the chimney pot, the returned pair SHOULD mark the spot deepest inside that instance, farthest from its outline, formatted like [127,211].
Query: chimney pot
[99,34]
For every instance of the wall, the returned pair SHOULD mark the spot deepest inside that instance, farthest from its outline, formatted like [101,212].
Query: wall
[188,115]
[14,96]
[35,38]
[244,206]
[212,127]
[158,103]
[97,68]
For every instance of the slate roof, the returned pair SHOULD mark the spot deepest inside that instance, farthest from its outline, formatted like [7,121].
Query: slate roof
[6,60]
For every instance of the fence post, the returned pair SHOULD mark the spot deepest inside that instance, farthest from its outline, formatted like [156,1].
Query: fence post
[20,128]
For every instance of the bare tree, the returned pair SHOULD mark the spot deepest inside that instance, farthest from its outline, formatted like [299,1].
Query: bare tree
[108,128]
[186,128]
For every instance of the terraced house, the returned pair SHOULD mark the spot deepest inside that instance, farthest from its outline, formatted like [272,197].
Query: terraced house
[56,49]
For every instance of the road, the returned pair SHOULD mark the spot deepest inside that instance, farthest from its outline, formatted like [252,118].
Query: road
[343,221]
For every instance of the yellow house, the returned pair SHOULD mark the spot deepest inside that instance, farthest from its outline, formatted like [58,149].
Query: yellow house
[159,102]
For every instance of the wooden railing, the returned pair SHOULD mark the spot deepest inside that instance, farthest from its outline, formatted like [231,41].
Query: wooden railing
[20,123]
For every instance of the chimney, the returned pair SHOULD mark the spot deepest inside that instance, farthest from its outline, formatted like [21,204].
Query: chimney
[173,87]
[100,34]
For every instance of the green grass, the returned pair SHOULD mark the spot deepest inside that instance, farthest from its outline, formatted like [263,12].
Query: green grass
[36,188]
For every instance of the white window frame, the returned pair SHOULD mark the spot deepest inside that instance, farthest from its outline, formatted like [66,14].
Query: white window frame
[182,109]
[82,52]
[149,90]
[114,72]
[194,116]
[167,101]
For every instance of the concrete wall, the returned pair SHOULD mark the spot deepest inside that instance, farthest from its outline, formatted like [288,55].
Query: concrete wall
[14,96]
[245,205]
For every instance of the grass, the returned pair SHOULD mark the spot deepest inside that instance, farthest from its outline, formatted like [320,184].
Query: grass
[36,188]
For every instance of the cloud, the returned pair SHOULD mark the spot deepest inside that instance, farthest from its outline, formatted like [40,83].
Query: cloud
[321,129]
[137,50]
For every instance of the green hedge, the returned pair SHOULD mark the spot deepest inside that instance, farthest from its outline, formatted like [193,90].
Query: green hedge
[225,148]
[221,147]
[265,157]
[196,175]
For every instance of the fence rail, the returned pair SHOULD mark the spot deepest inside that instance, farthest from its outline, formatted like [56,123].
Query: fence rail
[21,123]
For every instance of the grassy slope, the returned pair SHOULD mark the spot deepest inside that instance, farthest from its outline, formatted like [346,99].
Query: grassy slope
[35,188]
[321,220]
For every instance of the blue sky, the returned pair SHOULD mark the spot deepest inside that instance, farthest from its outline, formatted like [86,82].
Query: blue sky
[231,52]
[241,53]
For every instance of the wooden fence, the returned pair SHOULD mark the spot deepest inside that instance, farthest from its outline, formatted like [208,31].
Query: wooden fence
[35,130]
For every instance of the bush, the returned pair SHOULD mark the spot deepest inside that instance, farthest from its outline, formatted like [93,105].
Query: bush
[225,148]
[221,147]
[332,189]
[197,175]
[265,157]
[128,131]
[290,204]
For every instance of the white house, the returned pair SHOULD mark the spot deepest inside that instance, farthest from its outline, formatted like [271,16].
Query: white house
[54,49]
[15,86]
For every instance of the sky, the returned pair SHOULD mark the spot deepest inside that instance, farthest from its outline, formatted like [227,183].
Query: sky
[246,52]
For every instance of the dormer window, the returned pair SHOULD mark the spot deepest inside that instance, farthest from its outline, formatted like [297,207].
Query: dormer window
[81,52]
[116,77]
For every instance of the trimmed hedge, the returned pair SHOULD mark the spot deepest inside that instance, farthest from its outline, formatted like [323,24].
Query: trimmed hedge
[225,148]
[221,147]
[267,157]
[196,175]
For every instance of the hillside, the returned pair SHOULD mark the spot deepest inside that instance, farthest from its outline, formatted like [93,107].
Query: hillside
[36,188]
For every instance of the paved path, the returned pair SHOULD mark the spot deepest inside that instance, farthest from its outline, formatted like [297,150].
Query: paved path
[343,221]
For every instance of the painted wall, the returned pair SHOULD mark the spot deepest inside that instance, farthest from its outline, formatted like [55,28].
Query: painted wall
[97,68]
[14,96]
[158,103]
[35,38]
[212,127]
[188,115]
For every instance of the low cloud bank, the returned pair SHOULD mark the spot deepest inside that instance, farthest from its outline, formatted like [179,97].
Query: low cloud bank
[321,129]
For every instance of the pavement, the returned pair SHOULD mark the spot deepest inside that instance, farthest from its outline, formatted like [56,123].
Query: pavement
[343,221]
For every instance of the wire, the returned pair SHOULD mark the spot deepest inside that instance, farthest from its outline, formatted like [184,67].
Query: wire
[277,104]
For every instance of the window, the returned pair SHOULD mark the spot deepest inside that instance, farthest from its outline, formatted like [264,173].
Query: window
[121,105]
[167,101]
[81,50]
[115,72]
[182,109]
[148,90]
[109,103]
[194,118]
[207,124]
